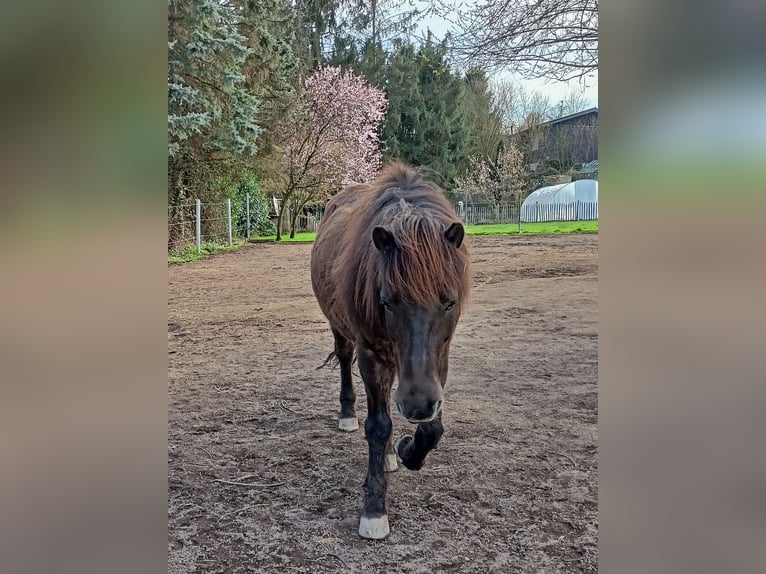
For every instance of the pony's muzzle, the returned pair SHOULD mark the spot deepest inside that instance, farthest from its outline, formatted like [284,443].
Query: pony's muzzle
[419,411]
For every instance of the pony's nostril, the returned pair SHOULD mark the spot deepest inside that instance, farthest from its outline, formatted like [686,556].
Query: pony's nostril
[438,406]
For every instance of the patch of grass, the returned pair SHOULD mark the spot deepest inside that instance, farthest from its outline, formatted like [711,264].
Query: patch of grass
[534,228]
[498,229]
[300,237]
[190,253]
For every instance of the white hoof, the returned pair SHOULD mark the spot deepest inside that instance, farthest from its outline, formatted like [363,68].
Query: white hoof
[349,424]
[374,528]
[389,463]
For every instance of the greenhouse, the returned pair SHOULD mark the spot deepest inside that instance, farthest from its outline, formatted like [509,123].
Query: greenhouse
[576,200]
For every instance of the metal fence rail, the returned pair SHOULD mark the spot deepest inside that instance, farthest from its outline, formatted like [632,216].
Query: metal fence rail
[191,225]
[574,211]
[489,213]
[194,224]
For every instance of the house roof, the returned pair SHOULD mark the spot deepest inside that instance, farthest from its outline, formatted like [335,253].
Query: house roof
[572,116]
[562,119]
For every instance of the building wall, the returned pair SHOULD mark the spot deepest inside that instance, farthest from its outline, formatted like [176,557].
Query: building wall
[567,143]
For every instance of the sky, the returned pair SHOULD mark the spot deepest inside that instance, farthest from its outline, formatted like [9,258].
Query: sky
[556,91]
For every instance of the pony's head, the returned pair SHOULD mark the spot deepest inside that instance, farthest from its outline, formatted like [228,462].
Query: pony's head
[422,283]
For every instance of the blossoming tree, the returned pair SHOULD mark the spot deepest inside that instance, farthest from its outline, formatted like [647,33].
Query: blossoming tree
[329,141]
[499,181]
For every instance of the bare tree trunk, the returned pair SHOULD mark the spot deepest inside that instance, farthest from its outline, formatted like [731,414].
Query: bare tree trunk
[298,210]
[293,221]
[279,217]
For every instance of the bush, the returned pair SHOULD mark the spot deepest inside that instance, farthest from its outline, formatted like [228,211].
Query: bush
[260,224]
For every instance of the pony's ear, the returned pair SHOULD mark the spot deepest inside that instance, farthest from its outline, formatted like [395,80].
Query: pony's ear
[455,234]
[383,239]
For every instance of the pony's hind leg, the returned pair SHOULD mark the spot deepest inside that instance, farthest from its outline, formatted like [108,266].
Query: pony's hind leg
[344,350]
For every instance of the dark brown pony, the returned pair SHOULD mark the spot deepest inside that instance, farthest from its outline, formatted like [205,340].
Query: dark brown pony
[391,273]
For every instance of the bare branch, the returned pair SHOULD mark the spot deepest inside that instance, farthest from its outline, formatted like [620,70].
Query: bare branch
[556,39]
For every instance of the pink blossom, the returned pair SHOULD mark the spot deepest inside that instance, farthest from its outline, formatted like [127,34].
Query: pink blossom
[331,140]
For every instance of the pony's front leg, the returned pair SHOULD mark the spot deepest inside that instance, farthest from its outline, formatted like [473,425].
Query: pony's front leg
[378,379]
[413,450]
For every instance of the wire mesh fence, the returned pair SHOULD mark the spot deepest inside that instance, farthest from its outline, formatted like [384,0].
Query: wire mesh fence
[194,224]
[490,213]
[487,213]
[181,227]
[191,225]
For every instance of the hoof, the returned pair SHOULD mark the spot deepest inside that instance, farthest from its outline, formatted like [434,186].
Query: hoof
[374,528]
[401,443]
[348,424]
[389,463]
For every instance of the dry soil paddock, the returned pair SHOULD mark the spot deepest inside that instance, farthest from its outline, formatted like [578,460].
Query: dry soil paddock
[261,480]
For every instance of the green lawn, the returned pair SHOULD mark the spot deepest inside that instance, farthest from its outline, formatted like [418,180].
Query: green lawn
[300,237]
[534,228]
[499,229]
[306,237]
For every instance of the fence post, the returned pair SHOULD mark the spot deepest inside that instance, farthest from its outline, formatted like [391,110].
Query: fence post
[199,226]
[247,214]
[228,220]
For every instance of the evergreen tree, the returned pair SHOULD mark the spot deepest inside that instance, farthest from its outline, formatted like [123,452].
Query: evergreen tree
[211,113]
[316,25]
[426,122]
[485,126]
[272,70]
[401,133]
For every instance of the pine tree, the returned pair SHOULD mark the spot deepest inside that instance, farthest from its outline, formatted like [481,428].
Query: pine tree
[426,123]
[401,133]
[211,113]
[485,126]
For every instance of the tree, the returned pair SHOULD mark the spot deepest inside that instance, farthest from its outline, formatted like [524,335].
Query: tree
[375,24]
[498,181]
[426,121]
[272,69]
[575,101]
[556,39]
[329,141]
[519,108]
[484,120]
[210,112]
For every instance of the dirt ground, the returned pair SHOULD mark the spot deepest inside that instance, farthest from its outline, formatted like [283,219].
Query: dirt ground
[261,480]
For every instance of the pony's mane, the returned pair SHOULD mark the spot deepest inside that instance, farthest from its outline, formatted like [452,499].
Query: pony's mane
[424,268]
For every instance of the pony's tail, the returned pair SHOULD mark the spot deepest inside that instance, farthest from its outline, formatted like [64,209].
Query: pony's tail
[331,358]
[333,361]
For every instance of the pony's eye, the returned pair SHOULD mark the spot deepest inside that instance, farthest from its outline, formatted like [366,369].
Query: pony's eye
[450,305]
[386,304]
